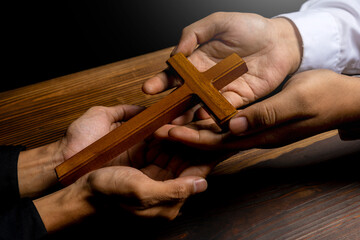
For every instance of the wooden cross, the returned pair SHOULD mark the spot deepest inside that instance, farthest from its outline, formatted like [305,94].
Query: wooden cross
[197,87]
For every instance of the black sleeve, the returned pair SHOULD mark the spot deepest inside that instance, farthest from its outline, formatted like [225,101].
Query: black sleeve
[19,218]
[9,189]
[22,222]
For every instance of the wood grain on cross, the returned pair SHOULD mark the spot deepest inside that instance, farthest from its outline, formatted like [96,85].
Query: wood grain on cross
[197,87]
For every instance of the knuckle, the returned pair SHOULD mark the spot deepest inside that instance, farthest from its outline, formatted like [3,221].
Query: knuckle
[144,198]
[185,30]
[179,192]
[98,110]
[265,115]
[188,30]
[139,192]
[217,15]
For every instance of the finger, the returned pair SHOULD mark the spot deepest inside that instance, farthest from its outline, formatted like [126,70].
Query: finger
[154,150]
[169,212]
[232,97]
[202,139]
[198,170]
[278,136]
[163,132]
[138,193]
[136,155]
[235,98]
[159,83]
[177,165]
[192,128]
[242,91]
[179,189]
[150,193]
[123,112]
[187,117]
[157,173]
[197,33]
[201,113]
[278,109]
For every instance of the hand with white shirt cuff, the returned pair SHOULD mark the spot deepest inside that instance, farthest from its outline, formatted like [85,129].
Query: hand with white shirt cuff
[270,47]
[325,33]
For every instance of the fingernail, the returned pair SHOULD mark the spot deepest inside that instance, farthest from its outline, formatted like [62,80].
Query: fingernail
[200,185]
[238,125]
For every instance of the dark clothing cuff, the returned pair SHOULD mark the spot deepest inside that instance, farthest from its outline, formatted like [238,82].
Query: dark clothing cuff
[19,218]
[22,221]
[9,188]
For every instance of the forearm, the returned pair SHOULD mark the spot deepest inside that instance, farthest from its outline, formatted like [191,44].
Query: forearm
[65,207]
[36,169]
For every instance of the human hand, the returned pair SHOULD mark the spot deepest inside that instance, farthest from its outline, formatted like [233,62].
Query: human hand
[171,173]
[137,193]
[36,166]
[270,48]
[121,186]
[158,189]
[310,103]
[94,124]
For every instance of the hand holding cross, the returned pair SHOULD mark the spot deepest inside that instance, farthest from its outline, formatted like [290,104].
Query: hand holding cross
[197,87]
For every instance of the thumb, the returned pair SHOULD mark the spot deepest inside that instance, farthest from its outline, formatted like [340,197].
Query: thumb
[182,187]
[123,112]
[273,111]
[197,33]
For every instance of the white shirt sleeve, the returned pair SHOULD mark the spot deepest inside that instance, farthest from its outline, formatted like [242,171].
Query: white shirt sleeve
[330,31]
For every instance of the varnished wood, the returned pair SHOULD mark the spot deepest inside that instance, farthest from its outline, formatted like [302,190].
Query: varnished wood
[306,190]
[206,85]
[195,87]
[40,113]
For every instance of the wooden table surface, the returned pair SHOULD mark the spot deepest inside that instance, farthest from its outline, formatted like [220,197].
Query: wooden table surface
[306,190]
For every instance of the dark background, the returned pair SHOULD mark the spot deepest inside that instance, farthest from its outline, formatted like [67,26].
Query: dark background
[46,39]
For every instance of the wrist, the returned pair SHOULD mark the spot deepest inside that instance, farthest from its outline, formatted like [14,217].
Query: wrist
[36,169]
[66,206]
[290,42]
